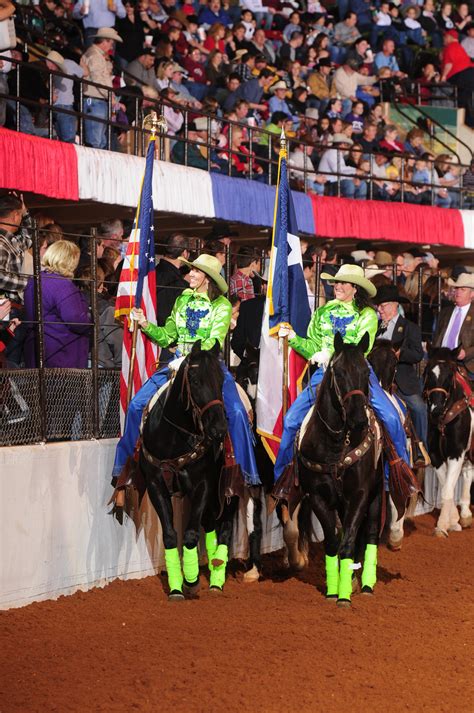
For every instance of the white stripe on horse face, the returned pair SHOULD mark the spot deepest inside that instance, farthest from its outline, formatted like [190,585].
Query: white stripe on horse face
[249,514]
[436,371]
[252,391]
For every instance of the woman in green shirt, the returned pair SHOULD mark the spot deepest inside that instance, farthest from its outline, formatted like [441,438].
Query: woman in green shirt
[199,313]
[351,315]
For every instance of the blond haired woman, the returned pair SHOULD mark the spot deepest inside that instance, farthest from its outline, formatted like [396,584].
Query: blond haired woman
[65,311]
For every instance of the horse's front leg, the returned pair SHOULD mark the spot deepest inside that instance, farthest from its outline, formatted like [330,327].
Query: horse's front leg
[465,501]
[161,501]
[355,514]
[369,571]
[395,537]
[326,514]
[199,495]
[253,510]
[448,520]
[218,560]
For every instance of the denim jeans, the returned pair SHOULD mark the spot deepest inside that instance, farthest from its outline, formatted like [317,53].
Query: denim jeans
[348,189]
[418,412]
[267,17]
[65,124]
[26,122]
[96,131]
[199,91]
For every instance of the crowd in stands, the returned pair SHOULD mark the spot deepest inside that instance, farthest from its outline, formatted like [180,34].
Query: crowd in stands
[321,71]
[66,285]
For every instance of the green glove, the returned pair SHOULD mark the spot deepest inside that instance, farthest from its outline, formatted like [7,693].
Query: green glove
[173,567]
[369,572]
[190,564]
[332,576]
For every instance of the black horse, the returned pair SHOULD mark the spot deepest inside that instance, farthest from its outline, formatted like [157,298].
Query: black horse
[247,377]
[451,425]
[182,452]
[340,471]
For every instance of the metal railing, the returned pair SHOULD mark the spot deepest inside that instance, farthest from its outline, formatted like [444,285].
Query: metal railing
[261,157]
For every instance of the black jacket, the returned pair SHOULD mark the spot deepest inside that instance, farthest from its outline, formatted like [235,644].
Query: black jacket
[407,335]
[169,285]
[249,325]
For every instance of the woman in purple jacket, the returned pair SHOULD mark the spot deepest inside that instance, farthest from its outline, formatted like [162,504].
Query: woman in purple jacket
[65,311]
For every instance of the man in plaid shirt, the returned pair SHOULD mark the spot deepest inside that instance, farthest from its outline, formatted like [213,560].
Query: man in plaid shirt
[241,281]
[15,240]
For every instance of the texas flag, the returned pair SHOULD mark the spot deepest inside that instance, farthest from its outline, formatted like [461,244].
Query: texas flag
[287,303]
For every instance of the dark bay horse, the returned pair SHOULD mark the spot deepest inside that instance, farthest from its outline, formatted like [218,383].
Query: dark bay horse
[451,427]
[340,469]
[182,452]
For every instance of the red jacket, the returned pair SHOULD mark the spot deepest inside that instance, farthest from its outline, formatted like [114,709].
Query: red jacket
[196,70]
[457,56]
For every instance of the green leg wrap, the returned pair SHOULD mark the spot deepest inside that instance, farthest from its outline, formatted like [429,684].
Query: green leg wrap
[332,576]
[190,564]
[218,572]
[173,567]
[369,572]
[211,546]
[345,579]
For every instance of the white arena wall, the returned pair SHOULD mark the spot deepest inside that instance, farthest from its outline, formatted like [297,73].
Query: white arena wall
[56,536]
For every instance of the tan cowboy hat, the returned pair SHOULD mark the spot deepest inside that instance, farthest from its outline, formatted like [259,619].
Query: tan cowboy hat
[353,274]
[341,139]
[240,53]
[107,33]
[211,266]
[382,257]
[56,59]
[278,85]
[465,279]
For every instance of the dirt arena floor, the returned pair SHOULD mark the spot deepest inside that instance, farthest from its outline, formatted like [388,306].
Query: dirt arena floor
[276,645]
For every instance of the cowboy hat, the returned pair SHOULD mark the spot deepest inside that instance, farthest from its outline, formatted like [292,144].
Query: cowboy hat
[211,266]
[199,124]
[312,113]
[411,7]
[341,139]
[353,274]
[107,33]
[465,279]
[278,85]
[389,293]
[56,59]
[383,258]
[240,53]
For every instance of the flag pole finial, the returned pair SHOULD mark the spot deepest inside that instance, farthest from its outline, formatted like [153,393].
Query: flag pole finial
[155,124]
[283,140]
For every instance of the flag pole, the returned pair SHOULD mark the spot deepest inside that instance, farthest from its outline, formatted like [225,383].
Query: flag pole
[285,339]
[153,123]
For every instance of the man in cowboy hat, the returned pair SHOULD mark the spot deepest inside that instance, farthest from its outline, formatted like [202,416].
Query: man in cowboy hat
[333,163]
[278,100]
[65,124]
[97,66]
[405,337]
[456,324]
[99,13]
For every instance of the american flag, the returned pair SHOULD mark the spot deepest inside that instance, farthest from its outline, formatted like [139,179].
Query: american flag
[286,303]
[137,288]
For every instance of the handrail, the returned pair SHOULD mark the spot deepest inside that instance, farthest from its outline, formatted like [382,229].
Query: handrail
[255,133]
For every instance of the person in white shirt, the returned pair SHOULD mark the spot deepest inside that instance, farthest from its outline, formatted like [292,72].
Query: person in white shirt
[333,163]
[298,160]
[468,42]
[456,323]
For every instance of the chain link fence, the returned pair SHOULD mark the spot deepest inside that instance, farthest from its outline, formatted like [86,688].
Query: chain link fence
[66,410]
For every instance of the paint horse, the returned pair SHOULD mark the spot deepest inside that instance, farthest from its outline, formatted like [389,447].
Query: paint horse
[384,360]
[451,427]
[340,471]
[182,452]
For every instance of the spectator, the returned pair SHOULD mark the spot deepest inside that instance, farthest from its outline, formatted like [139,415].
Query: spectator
[196,82]
[278,100]
[97,66]
[333,163]
[215,70]
[7,42]
[414,142]
[468,42]
[164,74]
[356,117]
[414,31]
[346,81]
[457,69]
[110,331]
[241,281]
[15,240]
[390,141]
[97,14]
[368,140]
[345,34]
[386,58]
[263,46]
[213,13]
[64,311]
[183,92]
[253,91]
[132,31]
[320,84]
[301,169]
[240,157]
[197,154]
[140,70]
[292,50]
[65,124]
[111,234]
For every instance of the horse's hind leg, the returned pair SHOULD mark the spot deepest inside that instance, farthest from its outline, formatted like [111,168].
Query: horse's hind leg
[291,536]
[448,520]
[219,558]
[161,501]
[352,522]
[395,537]
[465,501]
[255,531]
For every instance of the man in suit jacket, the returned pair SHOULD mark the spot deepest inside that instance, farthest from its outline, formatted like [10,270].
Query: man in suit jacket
[456,323]
[406,338]
[249,325]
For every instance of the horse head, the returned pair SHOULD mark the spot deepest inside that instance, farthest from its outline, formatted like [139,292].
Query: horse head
[439,380]
[201,389]
[384,360]
[247,372]
[349,380]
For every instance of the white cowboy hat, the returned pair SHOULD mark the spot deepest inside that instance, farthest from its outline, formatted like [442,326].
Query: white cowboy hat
[341,139]
[312,113]
[353,274]
[107,33]
[278,85]
[240,53]
[465,279]
[211,266]
[56,59]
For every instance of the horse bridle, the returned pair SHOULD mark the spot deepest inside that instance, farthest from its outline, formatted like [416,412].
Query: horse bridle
[198,411]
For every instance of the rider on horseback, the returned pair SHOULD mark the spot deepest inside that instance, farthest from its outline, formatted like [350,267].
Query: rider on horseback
[351,315]
[199,313]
